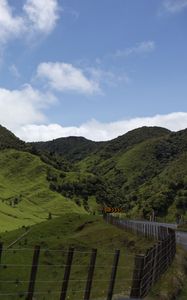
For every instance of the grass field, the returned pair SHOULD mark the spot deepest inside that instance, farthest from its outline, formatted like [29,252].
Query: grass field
[26,202]
[25,197]
[82,232]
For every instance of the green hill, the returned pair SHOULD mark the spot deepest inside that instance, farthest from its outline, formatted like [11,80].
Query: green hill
[56,190]
[130,139]
[134,168]
[71,148]
[25,196]
[9,140]
[142,170]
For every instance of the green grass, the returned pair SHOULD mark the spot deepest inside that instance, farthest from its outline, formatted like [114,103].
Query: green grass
[183,292]
[82,232]
[23,177]
[142,170]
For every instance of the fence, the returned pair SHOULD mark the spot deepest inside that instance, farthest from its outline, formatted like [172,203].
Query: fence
[38,281]
[149,266]
[147,270]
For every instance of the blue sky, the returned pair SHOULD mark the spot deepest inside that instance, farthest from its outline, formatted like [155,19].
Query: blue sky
[92,68]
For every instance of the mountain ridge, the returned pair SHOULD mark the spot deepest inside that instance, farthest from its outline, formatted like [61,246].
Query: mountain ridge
[135,171]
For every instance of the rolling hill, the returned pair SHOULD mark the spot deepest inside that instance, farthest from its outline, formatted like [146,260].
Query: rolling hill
[25,196]
[135,171]
[142,170]
[9,140]
[71,148]
[151,174]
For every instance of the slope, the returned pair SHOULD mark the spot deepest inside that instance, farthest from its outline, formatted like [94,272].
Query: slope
[130,168]
[83,232]
[120,172]
[25,196]
[9,140]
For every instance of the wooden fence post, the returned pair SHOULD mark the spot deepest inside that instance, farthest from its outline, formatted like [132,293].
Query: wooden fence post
[137,276]
[67,273]
[33,274]
[90,274]
[113,275]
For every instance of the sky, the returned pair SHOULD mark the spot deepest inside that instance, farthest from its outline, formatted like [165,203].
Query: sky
[92,68]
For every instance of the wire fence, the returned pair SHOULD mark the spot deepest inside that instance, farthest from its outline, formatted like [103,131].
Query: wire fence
[44,273]
[150,266]
[68,274]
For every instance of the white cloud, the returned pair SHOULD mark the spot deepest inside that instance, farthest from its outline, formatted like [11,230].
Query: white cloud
[66,77]
[143,47]
[38,16]
[10,25]
[43,14]
[174,6]
[24,106]
[97,131]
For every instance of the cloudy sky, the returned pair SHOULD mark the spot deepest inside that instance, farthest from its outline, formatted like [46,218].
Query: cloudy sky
[92,68]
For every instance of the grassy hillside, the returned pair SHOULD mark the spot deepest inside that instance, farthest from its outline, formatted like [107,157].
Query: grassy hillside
[83,232]
[59,185]
[148,175]
[141,171]
[9,140]
[25,196]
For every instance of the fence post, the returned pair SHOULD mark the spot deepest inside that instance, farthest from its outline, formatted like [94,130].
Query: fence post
[1,251]
[137,276]
[113,275]
[90,274]
[67,273]
[33,272]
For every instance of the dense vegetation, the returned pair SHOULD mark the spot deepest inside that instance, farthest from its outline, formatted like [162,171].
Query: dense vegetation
[71,148]
[61,187]
[141,171]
